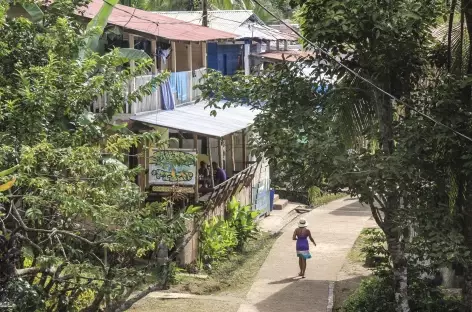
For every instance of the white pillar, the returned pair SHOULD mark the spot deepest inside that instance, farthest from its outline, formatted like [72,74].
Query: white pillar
[132,83]
[247,51]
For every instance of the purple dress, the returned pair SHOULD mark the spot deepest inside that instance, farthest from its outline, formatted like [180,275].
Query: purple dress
[303,247]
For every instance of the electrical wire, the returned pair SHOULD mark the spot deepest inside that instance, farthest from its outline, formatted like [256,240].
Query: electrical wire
[326,53]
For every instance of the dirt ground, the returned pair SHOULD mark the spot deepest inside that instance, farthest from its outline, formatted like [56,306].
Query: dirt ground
[223,290]
[352,272]
[183,305]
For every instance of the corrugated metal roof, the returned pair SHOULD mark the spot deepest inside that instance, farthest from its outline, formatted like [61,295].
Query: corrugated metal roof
[196,119]
[289,56]
[145,22]
[244,23]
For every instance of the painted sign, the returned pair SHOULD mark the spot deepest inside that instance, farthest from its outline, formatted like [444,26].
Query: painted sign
[173,167]
[261,200]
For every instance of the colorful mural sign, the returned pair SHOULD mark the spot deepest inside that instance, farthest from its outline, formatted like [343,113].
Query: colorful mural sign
[173,167]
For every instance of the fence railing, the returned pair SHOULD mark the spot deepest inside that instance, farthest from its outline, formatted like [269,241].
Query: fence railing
[182,85]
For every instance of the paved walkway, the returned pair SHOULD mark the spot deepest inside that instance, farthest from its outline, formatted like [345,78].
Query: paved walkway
[335,228]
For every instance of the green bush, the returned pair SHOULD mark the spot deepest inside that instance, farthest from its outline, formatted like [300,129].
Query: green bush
[375,294]
[375,249]
[243,220]
[217,240]
[314,193]
[219,237]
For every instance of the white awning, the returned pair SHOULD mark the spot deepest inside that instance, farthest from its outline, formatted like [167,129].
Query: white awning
[196,119]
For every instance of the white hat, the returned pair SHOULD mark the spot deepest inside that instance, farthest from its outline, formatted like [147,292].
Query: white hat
[302,223]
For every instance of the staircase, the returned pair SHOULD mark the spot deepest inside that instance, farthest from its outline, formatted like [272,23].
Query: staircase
[279,203]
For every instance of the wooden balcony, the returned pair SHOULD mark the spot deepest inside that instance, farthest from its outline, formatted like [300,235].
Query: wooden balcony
[183,92]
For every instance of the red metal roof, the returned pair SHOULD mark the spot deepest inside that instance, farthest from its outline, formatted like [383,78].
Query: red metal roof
[289,56]
[145,22]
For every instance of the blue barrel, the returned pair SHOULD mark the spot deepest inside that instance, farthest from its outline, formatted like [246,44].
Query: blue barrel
[272,194]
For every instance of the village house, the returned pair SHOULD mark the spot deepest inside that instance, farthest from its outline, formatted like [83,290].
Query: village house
[182,48]
[253,37]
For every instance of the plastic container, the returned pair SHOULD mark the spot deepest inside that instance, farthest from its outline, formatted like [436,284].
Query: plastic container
[272,195]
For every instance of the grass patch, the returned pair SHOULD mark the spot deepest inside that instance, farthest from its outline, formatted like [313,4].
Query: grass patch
[326,198]
[352,272]
[234,274]
[356,254]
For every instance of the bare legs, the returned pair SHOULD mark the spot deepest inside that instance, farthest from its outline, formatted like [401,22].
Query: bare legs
[302,264]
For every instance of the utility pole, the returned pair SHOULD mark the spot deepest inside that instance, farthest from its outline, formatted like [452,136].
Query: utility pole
[204,13]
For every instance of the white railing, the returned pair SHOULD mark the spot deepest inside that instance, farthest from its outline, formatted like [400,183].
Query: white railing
[182,86]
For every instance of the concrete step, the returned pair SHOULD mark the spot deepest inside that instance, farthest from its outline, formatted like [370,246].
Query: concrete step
[280,204]
[276,197]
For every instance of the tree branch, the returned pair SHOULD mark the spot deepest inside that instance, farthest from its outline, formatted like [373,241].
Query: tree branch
[51,232]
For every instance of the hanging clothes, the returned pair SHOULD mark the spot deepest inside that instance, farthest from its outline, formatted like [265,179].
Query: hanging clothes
[179,83]
[167,98]
[163,54]
[197,76]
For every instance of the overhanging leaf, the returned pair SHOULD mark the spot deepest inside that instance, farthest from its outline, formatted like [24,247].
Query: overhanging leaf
[34,11]
[97,24]
[133,54]
[9,171]
[7,186]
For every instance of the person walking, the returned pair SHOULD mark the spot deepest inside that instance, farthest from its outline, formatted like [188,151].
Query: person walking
[301,235]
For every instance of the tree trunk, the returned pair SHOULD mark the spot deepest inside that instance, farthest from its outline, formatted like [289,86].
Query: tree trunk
[467,207]
[392,206]
[400,269]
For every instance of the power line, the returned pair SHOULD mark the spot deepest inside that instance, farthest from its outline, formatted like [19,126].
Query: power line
[325,52]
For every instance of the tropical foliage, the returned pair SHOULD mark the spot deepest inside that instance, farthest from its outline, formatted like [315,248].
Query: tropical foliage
[388,139]
[221,236]
[72,219]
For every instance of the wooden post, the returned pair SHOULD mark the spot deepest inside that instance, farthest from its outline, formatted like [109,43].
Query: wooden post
[268,46]
[285,45]
[204,53]
[174,57]
[277,46]
[233,163]
[220,152]
[211,164]
[154,94]
[195,146]
[229,148]
[190,67]
[204,13]
[153,55]
[244,149]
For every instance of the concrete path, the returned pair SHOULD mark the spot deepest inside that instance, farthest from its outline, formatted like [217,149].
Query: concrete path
[335,228]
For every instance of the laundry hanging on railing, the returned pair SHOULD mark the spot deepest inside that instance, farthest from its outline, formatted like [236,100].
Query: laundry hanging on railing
[167,98]
[163,54]
[198,74]
[179,84]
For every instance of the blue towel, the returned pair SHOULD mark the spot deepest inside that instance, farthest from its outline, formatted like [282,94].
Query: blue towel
[167,98]
[179,85]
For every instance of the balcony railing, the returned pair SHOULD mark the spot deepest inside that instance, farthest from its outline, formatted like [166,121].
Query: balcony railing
[183,91]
